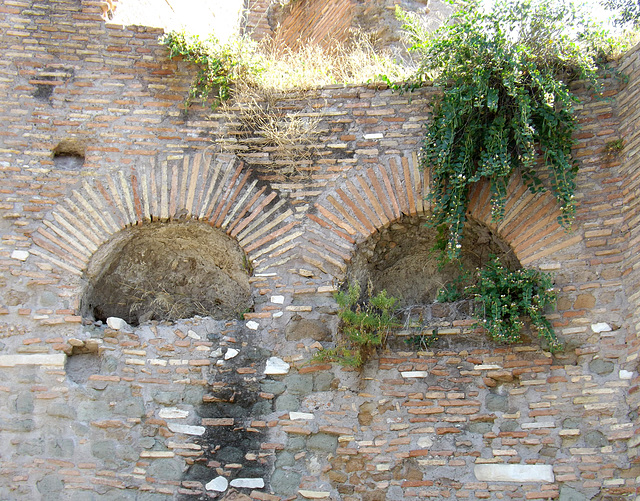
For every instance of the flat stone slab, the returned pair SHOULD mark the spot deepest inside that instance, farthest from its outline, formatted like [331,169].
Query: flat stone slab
[314,494]
[300,415]
[186,429]
[514,472]
[173,413]
[56,359]
[248,483]
[414,374]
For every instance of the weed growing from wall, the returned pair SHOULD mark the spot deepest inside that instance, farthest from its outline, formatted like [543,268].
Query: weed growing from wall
[219,65]
[364,326]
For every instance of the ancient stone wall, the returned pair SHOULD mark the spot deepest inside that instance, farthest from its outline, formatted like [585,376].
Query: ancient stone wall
[94,144]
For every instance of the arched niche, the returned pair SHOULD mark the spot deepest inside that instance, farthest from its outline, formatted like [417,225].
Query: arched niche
[167,271]
[401,259]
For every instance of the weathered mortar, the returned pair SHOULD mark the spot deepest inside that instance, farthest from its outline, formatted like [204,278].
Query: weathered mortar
[411,424]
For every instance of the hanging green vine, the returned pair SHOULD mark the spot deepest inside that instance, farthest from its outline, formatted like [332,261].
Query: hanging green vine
[505,103]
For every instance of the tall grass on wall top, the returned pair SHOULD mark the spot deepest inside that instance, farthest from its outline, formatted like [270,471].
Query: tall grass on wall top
[506,103]
[241,67]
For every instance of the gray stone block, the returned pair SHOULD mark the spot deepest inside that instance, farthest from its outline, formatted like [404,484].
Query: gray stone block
[285,482]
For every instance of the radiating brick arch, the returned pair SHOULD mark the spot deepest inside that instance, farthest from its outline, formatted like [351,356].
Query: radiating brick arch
[364,203]
[217,189]
[530,224]
[382,194]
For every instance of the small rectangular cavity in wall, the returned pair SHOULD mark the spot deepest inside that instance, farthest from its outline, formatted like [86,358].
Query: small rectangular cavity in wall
[514,473]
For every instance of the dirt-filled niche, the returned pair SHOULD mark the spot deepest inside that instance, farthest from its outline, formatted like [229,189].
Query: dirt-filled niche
[167,271]
[401,260]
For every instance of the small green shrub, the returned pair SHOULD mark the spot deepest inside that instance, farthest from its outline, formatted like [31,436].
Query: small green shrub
[505,297]
[364,326]
[219,65]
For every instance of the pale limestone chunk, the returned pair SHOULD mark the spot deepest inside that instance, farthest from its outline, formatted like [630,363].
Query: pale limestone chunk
[300,415]
[186,429]
[35,359]
[276,366]
[218,484]
[513,473]
[277,299]
[115,323]
[600,327]
[20,255]
[172,413]
[248,483]
[313,494]
[231,353]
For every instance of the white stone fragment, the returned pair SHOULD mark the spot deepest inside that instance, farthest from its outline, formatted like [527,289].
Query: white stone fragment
[314,494]
[248,483]
[20,255]
[115,323]
[277,314]
[216,353]
[231,353]
[277,299]
[513,473]
[57,359]
[276,365]
[172,413]
[537,426]
[218,484]
[265,274]
[414,374]
[600,327]
[377,135]
[486,367]
[623,374]
[186,429]
[300,415]
[253,325]
[193,335]
[425,442]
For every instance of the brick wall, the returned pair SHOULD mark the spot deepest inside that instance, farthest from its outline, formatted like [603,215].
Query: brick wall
[161,410]
[628,157]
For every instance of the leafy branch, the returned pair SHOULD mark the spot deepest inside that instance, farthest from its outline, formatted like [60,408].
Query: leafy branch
[506,104]
[507,296]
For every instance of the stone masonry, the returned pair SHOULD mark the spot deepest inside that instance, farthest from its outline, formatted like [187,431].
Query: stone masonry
[94,142]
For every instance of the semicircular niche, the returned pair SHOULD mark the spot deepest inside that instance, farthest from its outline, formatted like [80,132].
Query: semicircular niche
[167,271]
[400,259]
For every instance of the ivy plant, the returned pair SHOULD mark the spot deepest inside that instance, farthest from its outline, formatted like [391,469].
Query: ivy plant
[364,326]
[505,105]
[505,297]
